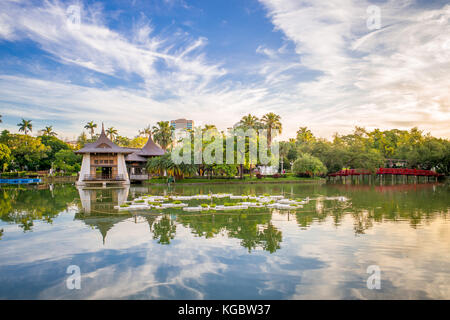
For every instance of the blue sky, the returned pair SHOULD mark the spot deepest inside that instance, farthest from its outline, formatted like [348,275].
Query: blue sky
[316,63]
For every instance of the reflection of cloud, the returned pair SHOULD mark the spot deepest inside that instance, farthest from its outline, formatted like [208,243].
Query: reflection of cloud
[411,263]
[324,260]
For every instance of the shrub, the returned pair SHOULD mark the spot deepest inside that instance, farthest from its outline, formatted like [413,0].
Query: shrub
[139,201]
[308,166]
[176,202]
[229,204]
[213,205]
[124,205]
[259,175]
[276,175]
[204,205]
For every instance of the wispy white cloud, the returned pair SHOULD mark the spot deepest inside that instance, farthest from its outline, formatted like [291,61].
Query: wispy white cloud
[393,77]
[340,74]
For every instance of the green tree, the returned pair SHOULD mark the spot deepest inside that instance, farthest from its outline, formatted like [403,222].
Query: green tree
[162,134]
[122,141]
[164,230]
[249,122]
[27,151]
[227,170]
[48,131]
[138,142]
[308,165]
[272,122]
[91,127]
[81,140]
[164,163]
[304,135]
[54,145]
[147,131]
[111,133]
[67,161]
[5,156]
[25,126]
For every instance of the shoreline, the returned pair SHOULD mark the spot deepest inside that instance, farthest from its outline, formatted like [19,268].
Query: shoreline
[237,182]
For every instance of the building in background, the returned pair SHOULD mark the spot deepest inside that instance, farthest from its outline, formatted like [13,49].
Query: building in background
[182,124]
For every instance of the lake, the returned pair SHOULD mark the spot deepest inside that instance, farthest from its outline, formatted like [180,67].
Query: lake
[323,250]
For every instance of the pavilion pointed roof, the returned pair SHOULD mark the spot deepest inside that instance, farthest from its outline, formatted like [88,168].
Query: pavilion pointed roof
[150,149]
[103,145]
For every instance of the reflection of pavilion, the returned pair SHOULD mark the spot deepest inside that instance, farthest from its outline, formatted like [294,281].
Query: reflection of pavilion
[98,209]
[102,199]
[104,223]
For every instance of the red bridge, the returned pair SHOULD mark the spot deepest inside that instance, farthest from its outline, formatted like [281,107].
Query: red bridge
[350,172]
[380,171]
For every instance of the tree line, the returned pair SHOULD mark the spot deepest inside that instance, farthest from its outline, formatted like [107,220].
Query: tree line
[305,154]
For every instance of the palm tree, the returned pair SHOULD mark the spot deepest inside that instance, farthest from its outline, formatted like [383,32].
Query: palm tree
[111,132]
[91,126]
[25,126]
[271,122]
[249,122]
[147,131]
[209,127]
[164,163]
[48,131]
[162,133]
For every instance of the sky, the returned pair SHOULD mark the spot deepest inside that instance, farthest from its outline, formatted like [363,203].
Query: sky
[326,65]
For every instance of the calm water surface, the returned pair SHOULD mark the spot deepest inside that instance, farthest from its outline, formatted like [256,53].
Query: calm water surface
[320,251]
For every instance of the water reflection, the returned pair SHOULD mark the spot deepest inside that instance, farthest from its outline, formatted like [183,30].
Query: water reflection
[415,203]
[102,200]
[22,205]
[254,230]
[320,251]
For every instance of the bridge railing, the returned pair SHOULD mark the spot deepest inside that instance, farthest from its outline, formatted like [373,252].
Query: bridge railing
[394,171]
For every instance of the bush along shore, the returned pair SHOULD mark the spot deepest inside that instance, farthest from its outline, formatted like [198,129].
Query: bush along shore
[276,178]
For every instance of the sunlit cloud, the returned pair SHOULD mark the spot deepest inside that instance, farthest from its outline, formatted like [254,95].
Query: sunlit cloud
[329,73]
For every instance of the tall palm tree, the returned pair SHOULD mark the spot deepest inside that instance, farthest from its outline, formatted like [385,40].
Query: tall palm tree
[162,133]
[272,123]
[111,133]
[249,122]
[91,126]
[147,131]
[25,126]
[48,131]
[208,127]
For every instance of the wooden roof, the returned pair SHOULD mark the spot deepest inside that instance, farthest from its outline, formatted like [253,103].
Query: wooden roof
[150,149]
[134,157]
[103,145]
